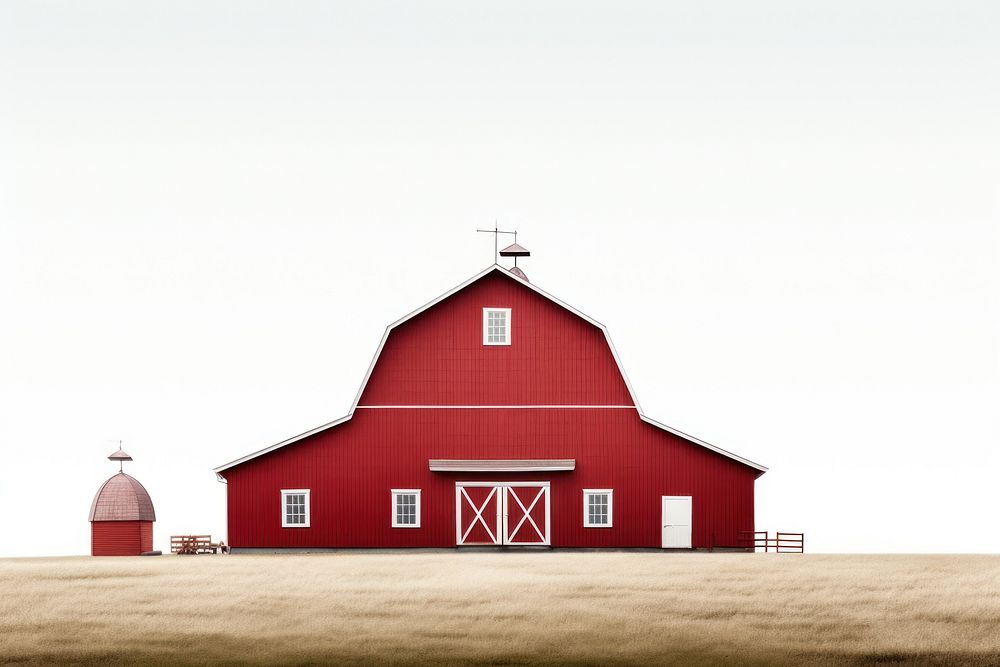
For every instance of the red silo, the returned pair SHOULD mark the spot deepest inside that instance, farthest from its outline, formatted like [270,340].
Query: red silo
[121,516]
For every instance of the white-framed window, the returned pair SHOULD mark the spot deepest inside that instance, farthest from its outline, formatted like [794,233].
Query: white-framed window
[406,508]
[496,326]
[597,508]
[295,508]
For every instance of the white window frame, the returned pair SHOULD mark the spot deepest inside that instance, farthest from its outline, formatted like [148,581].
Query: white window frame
[586,508]
[395,495]
[284,507]
[486,319]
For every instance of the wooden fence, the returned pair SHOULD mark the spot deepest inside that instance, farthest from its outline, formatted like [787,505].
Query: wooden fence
[792,543]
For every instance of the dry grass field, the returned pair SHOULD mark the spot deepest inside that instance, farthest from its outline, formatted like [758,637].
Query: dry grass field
[502,609]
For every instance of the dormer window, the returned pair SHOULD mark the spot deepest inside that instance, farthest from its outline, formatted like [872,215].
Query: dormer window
[496,326]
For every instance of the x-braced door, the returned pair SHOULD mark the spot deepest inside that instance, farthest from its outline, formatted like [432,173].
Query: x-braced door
[510,513]
[526,514]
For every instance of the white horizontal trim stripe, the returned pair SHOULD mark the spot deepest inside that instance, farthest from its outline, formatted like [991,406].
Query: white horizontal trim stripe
[495,407]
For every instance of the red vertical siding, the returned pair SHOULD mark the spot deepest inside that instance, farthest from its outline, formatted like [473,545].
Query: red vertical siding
[351,468]
[120,538]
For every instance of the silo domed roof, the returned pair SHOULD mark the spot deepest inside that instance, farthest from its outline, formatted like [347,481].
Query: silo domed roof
[122,498]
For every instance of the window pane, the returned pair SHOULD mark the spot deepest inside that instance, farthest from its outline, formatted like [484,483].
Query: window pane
[597,509]
[295,509]
[405,510]
[496,327]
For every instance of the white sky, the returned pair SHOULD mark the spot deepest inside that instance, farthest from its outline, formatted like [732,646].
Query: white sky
[786,215]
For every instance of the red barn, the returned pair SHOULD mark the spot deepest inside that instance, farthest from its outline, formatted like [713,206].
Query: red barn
[496,414]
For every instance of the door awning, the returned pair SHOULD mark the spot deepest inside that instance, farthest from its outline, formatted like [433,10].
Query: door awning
[501,465]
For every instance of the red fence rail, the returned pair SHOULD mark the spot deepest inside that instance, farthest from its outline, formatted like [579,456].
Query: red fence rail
[787,543]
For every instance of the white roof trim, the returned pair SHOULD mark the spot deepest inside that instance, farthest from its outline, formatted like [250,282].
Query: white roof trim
[296,438]
[698,441]
[434,302]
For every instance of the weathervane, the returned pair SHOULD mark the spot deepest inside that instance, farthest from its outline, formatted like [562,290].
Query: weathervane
[513,250]
[496,232]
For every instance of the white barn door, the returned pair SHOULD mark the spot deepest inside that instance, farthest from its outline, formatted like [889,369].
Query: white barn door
[676,522]
[514,513]
[478,514]
[526,514]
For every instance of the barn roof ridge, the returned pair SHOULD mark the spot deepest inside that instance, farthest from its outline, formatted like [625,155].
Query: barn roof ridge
[513,276]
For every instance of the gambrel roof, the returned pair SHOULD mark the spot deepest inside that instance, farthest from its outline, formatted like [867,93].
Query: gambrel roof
[512,276]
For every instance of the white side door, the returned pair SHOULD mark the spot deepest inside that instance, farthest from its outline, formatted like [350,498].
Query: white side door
[676,522]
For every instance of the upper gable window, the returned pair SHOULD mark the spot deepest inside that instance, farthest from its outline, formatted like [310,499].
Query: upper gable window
[496,326]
